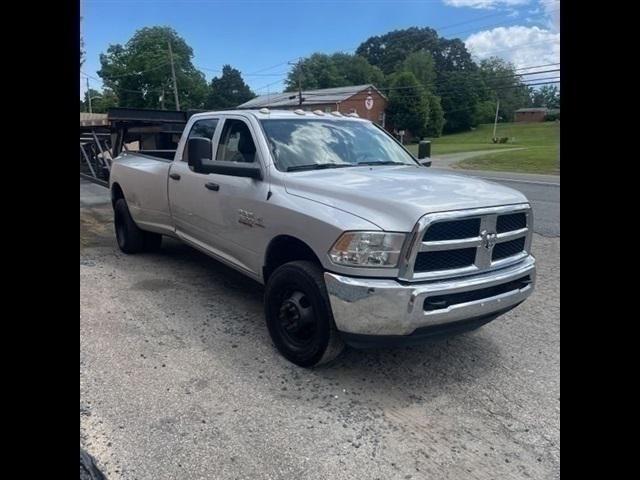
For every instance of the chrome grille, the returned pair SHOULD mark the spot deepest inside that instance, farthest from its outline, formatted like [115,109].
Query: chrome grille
[465,242]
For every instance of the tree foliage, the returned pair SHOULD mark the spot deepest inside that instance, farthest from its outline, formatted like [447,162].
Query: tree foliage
[328,71]
[453,78]
[139,72]
[421,64]
[546,96]
[408,107]
[228,91]
[101,102]
[500,81]
[436,121]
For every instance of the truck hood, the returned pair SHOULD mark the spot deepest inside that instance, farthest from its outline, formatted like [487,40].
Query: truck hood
[395,197]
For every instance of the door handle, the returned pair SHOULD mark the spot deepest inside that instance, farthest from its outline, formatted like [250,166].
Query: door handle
[175,176]
[212,186]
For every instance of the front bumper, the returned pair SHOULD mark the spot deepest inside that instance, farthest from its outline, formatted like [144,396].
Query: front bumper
[381,307]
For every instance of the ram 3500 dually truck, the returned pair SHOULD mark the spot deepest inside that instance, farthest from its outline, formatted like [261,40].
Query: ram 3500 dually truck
[354,239]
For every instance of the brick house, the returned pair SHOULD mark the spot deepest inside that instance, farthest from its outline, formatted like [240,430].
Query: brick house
[531,114]
[365,100]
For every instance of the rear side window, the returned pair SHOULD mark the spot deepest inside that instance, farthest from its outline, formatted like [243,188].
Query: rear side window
[203,129]
[236,143]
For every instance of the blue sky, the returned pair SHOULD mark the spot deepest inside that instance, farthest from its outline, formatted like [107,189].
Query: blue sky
[253,35]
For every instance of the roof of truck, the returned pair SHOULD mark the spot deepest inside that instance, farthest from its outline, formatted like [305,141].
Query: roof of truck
[264,113]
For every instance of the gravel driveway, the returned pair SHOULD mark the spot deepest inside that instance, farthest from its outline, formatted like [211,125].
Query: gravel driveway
[179,380]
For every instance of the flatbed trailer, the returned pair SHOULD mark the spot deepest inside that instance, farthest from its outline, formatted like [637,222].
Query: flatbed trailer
[104,136]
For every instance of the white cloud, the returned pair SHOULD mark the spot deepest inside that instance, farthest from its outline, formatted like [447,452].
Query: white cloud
[485,4]
[522,46]
[552,11]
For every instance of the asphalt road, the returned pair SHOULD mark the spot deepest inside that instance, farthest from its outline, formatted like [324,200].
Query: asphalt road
[179,379]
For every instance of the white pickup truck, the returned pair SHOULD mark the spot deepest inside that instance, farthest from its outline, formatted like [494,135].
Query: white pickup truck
[355,240]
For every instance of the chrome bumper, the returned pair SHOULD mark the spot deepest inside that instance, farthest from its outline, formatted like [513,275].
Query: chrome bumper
[369,306]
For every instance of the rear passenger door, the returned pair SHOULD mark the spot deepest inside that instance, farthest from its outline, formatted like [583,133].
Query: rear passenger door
[191,205]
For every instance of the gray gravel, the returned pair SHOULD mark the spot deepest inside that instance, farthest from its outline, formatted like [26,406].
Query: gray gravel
[179,379]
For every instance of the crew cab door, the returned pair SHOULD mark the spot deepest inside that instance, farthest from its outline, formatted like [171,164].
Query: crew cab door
[223,213]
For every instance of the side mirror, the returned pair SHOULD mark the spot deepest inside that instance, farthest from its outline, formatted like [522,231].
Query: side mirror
[198,149]
[424,153]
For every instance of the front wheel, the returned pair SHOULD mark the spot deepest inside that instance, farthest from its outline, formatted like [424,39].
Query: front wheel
[299,316]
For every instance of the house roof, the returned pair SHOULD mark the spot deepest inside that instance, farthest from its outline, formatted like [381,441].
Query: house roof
[311,97]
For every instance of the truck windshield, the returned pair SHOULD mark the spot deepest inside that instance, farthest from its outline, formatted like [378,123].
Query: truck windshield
[308,144]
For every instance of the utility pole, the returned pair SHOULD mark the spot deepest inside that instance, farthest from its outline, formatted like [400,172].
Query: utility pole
[173,74]
[495,123]
[89,95]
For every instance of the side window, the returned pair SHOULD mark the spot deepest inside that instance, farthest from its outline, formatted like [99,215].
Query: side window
[236,143]
[202,128]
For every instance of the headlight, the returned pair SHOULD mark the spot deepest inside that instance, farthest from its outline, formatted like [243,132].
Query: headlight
[367,249]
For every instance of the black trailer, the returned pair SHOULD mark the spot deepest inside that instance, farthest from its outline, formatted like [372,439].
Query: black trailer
[104,136]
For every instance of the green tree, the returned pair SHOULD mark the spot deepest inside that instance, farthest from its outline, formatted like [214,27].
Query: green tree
[546,96]
[328,71]
[408,107]
[356,70]
[316,71]
[436,121]
[139,72]
[459,93]
[228,91]
[421,64]
[101,102]
[456,81]
[500,81]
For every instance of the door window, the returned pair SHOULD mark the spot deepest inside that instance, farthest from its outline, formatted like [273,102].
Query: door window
[203,129]
[236,143]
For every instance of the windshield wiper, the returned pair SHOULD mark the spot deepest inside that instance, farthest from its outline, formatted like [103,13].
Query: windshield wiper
[384,162]
[317,166]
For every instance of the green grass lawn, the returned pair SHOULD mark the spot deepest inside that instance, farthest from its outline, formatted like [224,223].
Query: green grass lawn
[541,141]
[530,160]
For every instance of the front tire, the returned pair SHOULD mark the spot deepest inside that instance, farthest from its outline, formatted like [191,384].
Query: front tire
[299,316]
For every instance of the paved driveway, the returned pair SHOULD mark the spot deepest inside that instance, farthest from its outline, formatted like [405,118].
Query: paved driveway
[179,379]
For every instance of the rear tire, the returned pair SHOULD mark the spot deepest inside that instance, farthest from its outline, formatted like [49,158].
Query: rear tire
[130,238]
[299,316]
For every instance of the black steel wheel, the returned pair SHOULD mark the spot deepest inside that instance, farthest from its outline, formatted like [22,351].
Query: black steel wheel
[130,238]
[299,315]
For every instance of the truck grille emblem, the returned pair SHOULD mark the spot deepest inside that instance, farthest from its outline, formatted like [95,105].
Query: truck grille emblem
[489,239]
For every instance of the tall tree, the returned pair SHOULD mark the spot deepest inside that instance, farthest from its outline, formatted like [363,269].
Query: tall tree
[456,81]
[139,72]
[327,71]
[500,81]
[408,107]
[436,121]
[388,51]
[228,91]
[421,64]
[459,94]
[101,102]
[546,96]
[356,70]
